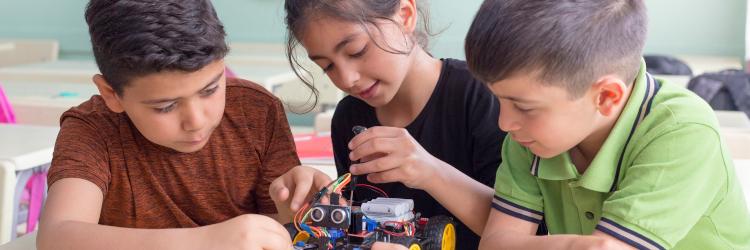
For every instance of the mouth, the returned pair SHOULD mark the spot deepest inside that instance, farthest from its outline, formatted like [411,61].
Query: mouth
[526,143]
[369,92]
[194,141]
[523,142]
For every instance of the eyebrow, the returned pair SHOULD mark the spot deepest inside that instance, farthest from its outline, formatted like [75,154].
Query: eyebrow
[164,100]
[338,47]
[517,99]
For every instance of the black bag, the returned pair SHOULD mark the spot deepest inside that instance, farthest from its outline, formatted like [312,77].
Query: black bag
[724,90]
[666,65]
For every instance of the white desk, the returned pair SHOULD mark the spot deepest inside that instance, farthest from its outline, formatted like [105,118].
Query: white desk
[284,84]
[26,242]
[6,46]
[56,71]
[26,51]
[704,64]
[21,147]
[272,57]
[732,119]
[42,103]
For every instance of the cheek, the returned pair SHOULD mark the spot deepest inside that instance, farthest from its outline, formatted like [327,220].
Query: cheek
[215,106]
[158,128]
[553,133]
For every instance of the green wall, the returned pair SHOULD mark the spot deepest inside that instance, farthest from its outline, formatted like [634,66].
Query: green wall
[702,27]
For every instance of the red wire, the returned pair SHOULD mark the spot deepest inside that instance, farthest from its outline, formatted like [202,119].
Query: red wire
[374,188]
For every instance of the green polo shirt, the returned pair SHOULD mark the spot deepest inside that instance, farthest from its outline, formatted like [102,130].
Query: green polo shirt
[663,179]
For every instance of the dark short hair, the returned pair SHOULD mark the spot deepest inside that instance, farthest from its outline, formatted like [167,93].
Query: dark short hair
[568,43]
[299,13]
[135,38]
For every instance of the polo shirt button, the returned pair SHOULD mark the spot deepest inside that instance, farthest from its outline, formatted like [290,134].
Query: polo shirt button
[589,215]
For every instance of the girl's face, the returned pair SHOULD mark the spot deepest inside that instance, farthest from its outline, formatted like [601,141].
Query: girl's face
[364,66]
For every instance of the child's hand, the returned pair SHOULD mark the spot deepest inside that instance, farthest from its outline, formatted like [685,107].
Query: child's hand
[249,231]
[392,155]
[387,246]
[291,190]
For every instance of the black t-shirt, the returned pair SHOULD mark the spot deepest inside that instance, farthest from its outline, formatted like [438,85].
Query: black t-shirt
[458,125]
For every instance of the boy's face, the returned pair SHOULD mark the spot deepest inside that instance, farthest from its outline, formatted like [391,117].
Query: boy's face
[174,109]
[544,118]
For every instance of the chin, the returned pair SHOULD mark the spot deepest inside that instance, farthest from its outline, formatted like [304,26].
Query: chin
[188,148]
[378,102]
[546,154]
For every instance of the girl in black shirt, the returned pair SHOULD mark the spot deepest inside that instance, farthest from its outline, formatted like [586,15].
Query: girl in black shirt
[433,128]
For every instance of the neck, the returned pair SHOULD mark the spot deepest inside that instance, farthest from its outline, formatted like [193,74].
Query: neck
[590,146]
[415,91]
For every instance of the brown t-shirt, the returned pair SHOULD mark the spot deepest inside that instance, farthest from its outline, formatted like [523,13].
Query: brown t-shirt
[149,186]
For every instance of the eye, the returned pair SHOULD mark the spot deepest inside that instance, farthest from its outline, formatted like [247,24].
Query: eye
[523,110]
[210,91]
[167,109]
[360,53]
[328,68]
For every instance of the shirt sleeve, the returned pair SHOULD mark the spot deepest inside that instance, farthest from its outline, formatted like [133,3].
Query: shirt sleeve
[672,182]
[280,156]
[517,191]
[80,152]
[486,136]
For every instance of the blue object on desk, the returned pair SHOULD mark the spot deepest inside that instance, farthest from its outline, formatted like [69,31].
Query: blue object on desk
[68,94]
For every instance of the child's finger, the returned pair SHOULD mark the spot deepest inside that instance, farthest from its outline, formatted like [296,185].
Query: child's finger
[387,246]
[375,146]
[320,181]
[375,166]
[375,132]
[278,191]
[282,194]
[385,177]
[324,200]
[303,184]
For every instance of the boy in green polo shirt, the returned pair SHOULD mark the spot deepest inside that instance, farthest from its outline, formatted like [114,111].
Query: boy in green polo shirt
[600,152]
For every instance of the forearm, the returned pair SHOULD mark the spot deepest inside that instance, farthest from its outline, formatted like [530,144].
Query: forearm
[83,235]
[465,198]
[515,240]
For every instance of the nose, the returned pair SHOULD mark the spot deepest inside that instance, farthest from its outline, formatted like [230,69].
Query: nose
[347,75]
[194,118]
[508,121]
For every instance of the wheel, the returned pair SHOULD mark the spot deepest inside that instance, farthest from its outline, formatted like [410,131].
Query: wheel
[407,241]
[441,233]
[415,246]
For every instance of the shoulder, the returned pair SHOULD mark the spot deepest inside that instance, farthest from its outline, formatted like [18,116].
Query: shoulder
[464,93]
[244,91]
[93,112]
[457,78]
[681,125]
[675,107]
[457,70]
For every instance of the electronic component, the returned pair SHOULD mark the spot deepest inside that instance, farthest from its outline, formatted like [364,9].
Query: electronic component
[389,209]
[330,216]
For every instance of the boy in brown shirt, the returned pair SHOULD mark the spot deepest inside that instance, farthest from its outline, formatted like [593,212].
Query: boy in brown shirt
[170,142]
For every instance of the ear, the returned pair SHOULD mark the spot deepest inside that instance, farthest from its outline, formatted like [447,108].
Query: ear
[408,15]
[610,94]
[111,99]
